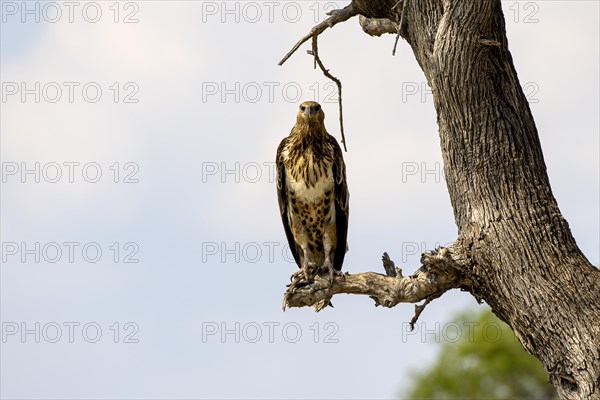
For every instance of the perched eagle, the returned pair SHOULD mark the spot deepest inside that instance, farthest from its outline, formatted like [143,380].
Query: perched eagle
[312,193]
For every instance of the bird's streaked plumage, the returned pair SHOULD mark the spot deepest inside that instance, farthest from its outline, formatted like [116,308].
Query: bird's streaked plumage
[312,193]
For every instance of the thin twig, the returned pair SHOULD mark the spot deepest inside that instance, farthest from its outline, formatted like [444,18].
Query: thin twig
[317,60]
[396,43]
[336,16]
[489,42]
[390,267]
[419,309]
[402,12]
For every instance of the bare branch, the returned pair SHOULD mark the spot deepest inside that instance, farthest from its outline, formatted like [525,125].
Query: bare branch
[336,16]
[315,54]
[438,274]
[419,308]
[402,12]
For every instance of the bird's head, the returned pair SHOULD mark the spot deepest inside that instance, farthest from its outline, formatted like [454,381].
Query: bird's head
[310,113]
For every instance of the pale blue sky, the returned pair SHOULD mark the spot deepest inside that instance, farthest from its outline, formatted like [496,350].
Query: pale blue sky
[186,212]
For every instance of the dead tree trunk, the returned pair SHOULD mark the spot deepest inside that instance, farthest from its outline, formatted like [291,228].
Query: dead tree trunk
[514,249]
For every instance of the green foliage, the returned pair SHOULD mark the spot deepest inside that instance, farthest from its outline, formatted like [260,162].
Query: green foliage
[481,358]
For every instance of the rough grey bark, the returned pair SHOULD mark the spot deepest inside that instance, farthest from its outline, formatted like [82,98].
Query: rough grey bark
[514,250]
[515,244]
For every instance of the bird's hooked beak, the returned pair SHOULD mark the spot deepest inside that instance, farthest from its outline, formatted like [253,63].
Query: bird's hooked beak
[311,110]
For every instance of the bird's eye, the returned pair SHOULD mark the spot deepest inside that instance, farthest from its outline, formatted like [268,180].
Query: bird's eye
[317,108]
[302,108]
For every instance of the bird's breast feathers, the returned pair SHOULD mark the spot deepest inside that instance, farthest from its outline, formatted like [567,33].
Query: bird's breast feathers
[308,180]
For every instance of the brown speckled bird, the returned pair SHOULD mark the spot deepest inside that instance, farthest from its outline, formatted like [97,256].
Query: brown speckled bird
[313,194]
